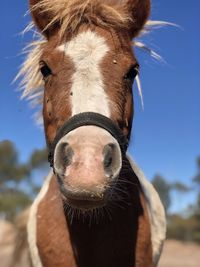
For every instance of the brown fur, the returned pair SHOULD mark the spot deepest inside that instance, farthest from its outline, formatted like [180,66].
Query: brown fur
[62,67]
[53,238]
[126,240]
[108,243]
[116,15]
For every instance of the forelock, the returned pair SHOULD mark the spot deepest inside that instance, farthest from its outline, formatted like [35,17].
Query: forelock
[70,14]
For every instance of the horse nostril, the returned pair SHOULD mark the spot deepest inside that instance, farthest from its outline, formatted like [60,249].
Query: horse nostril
[112,160]
[108,161]
[66,154]
[63,156]
[108,156]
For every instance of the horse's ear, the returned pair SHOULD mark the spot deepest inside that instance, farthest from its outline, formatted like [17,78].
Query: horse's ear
[139,11]
[40,17]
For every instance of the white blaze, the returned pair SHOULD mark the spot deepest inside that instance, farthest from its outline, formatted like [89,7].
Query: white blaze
[86,51]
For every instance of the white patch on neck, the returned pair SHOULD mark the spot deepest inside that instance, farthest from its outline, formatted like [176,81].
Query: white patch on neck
[86,51]
[156,212]
[32,223]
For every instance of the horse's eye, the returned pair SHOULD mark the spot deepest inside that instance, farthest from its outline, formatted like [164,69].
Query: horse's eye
[132,73]
[45,70]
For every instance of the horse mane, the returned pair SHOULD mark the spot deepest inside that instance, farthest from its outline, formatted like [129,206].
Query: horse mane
[70,14]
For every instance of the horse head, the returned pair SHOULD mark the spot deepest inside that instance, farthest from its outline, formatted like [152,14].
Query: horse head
[88,68]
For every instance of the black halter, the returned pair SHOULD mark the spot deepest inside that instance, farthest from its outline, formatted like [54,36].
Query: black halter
[84,119]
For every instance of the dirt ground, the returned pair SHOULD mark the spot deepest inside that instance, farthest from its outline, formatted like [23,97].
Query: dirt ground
[177,254]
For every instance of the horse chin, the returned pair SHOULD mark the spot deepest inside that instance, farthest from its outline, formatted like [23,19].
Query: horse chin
[83,205]
[83,200]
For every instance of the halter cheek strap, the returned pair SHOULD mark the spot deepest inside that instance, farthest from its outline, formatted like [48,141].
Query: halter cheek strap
[85,119]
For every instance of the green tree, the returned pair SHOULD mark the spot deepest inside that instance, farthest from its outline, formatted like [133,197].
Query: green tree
[38,159]
[10,169]
[196,216]
[180,190]
[17,186]
[180,187]
[196,181]
[163,188]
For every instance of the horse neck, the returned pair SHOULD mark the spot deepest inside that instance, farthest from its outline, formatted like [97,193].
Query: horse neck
[119,239]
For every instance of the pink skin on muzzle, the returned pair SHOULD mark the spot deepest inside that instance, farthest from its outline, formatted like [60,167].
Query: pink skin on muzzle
[87,160]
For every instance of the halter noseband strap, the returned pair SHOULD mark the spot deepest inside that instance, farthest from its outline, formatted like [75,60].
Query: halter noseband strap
[85,119]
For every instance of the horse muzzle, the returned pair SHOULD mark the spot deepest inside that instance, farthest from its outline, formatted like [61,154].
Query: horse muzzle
[87,160]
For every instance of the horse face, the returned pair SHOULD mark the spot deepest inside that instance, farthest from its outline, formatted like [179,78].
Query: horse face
[89,71]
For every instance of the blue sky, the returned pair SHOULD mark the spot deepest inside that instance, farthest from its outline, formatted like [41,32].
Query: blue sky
[166,133]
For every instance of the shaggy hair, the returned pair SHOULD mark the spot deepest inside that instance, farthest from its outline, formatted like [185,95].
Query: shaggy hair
[70,14]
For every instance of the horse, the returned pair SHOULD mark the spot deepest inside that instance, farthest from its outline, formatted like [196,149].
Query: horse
[95,208]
